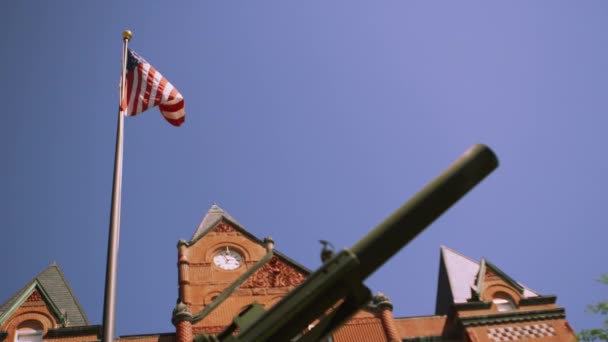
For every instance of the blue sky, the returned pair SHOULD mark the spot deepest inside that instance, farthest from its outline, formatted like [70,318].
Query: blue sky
[306,121]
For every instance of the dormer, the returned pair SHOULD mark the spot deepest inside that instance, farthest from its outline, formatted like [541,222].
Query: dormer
[44,308]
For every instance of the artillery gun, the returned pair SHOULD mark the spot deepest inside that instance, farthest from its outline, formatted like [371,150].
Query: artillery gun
[335,292]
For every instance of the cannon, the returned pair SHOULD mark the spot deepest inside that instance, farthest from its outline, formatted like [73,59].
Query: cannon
[335,292]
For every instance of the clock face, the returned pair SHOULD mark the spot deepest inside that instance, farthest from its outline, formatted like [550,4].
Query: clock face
[227,259]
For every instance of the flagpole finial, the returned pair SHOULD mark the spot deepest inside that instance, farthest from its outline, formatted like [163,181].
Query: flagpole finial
[127,35]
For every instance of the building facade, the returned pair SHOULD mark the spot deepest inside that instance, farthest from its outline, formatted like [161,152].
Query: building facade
[223,269]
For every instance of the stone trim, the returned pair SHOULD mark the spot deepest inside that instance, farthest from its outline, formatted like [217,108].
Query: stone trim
[436,338]
[513,317]
[540,300]
[476,305]
[75,331]
[181,313]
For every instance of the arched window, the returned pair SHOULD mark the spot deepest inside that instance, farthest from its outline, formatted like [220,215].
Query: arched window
[29,331]
[503,302]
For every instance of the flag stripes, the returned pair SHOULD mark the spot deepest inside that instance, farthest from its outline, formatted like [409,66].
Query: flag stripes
[147,88]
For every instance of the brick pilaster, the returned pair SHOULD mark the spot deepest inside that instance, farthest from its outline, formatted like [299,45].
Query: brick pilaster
[384,310]
[182,319]
[184,273]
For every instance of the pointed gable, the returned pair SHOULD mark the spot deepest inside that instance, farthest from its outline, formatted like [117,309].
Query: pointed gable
[48,288]
[213,216]
[456,276]
[462,280]
[214,293]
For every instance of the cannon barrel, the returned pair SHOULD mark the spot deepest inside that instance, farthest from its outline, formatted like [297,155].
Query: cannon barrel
[428,204]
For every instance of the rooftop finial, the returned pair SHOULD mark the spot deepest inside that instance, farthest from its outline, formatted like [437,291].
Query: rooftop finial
[215,207]
[269,243]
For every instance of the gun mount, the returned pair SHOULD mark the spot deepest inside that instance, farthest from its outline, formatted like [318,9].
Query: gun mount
[333,293]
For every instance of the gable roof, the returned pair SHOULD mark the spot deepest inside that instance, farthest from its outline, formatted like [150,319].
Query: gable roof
[460,277]
[213,216]
[55,289]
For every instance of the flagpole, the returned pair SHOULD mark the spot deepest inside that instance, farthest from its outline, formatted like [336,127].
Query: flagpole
[109,306]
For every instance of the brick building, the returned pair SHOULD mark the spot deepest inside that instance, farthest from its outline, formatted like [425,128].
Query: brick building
[224,268]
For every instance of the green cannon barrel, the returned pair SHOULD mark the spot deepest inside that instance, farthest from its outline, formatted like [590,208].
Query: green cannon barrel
[421,210]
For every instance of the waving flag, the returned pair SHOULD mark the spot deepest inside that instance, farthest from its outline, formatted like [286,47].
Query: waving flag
[146,88]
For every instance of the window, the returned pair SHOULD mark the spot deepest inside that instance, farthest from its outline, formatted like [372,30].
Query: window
[29,331]
[503,302]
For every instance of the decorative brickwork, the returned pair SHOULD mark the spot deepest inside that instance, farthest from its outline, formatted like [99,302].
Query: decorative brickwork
[362,320]
[34,297]
[275,273]
[183,331]
[224,227]
[521,333]
[491,276]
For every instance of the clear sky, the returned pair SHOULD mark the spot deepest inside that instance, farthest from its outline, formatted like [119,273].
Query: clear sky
[306,121]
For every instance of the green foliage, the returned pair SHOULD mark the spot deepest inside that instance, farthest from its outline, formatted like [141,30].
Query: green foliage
[601,334]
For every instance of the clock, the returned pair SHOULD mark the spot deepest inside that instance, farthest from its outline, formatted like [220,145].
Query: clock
[227,259]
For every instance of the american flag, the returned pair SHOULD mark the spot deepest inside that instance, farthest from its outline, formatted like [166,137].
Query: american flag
[146,88]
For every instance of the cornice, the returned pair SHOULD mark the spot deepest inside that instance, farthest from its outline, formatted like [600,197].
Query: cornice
[474,305]
[540,300]
[437,338]
[74,331]
[513,317]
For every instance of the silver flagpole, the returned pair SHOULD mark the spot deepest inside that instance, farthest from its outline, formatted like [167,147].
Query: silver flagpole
[109,306]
